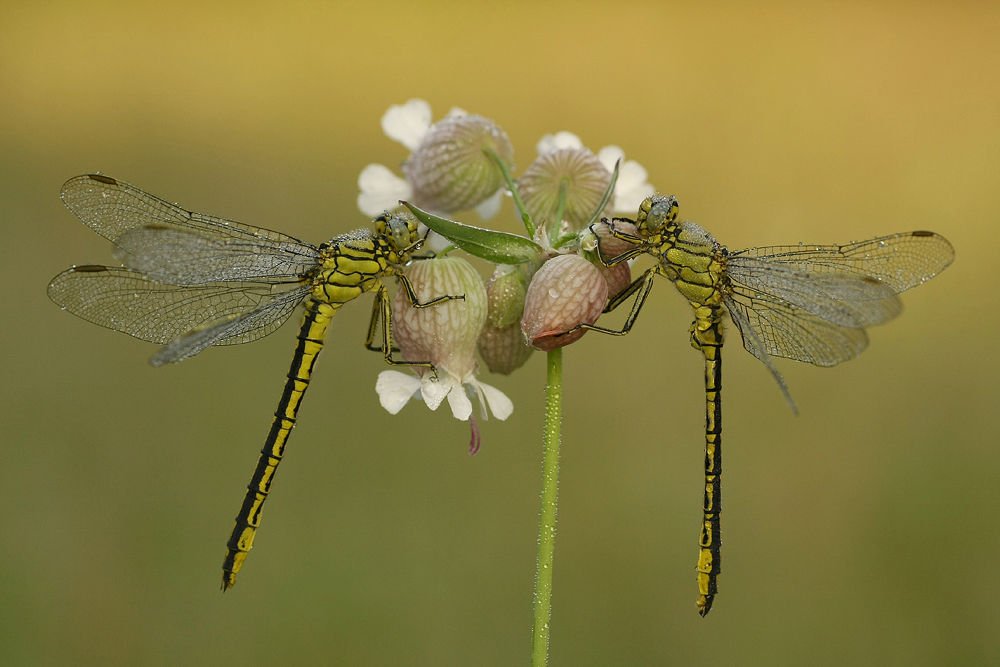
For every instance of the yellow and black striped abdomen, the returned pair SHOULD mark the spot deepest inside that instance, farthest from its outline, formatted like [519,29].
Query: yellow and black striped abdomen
[312,335]
[706,335]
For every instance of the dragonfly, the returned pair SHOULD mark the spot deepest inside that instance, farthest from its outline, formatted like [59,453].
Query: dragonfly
[190,281]
[809,303]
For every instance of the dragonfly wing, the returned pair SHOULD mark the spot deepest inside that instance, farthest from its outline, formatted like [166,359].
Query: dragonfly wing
[111,207]
[178,256]
[229,330]
[753,345]
[784,330]
[131,303]
[844,298]
[901,261]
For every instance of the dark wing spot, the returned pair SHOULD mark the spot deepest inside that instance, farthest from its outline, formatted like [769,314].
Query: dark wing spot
[871,280]
[89,268]
[921,233]
[103,179]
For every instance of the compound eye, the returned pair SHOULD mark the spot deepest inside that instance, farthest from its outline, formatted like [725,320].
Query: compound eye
[399,232]
[661,212]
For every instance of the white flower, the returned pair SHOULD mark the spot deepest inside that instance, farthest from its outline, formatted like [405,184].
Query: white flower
[395,389]
[631,187]
[551,143]
[444,334]
[380,188]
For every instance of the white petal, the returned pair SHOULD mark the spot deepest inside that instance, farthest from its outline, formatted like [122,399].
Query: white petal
[434,392]
[609,155]
[457,111]
[407,123]
[630,174]
[629,200]
[381,189]
[460,404]
[395,389]
[500,405]
[491,206]
[553,142]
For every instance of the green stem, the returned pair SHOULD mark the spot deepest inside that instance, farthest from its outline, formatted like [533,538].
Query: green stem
[555,226]
[550,495]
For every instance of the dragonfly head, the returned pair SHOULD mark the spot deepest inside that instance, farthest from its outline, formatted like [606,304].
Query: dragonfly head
[655,213]
[400,230]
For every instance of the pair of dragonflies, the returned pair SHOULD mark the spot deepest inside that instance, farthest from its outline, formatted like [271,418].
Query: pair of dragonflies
[191,281]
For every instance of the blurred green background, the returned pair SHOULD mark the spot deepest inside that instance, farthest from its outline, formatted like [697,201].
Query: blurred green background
[864,532]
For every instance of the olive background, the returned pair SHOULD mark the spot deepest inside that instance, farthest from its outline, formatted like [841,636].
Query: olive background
[864,532]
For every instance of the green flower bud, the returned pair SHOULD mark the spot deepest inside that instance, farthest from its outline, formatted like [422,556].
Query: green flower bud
[586,182]
[444,334]
[450,172]
[505,290]
[503,348]
[567,291]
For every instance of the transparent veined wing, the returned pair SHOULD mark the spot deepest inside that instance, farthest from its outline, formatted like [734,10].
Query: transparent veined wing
[900,261]
[111,207]
[126,301]
[231,329]
[783,330]
[181,257]
[812,303]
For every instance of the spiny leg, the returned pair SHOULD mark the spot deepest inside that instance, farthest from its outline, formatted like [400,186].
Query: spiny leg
[643,284]
[641,246]
[312,335]
[383,311]
[706,335]
[411,295]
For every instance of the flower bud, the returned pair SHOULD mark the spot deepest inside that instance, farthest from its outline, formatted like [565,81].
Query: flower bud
[618,277]
[567,291]
[505,291]
[450,172]
[503,349]
[612,247]
[586,182]
[444,334]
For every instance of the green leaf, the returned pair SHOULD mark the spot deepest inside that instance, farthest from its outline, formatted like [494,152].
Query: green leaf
[496,247]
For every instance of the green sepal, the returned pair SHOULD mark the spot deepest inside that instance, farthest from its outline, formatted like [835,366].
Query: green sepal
[607,196]
[493,246]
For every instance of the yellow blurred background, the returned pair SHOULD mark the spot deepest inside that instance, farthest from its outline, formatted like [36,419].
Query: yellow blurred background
[864,532]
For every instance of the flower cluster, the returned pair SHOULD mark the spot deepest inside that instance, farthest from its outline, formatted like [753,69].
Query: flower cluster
[547,287]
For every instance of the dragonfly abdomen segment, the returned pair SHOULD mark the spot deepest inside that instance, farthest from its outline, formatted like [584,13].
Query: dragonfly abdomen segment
[312,335]
[706,335]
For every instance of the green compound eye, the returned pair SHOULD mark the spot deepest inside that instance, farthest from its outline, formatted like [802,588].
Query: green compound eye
[399,232]
[662,212]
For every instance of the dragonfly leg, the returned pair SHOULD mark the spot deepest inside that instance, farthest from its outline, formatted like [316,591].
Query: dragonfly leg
[383,311]
[312,335]
[628,254]
[643,284]
[407,287]
[373,327]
